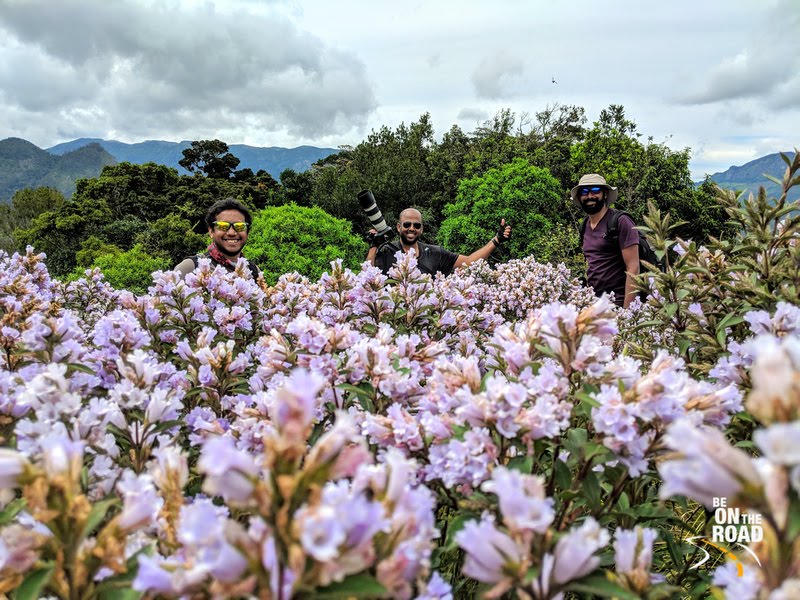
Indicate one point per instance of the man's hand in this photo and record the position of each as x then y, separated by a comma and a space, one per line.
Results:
503, 233
372, 238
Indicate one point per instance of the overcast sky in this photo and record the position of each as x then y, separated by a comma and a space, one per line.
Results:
719, 76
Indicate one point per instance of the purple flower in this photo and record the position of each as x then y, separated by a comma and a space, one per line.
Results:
780, 443
744, 587
574, 554
230, 472
522, 500
12, 465
141, 502
321, 532
294, 408
491, 554
633, 550
436, 589
707, 467
60, 455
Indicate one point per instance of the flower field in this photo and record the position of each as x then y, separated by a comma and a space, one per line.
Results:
493, 433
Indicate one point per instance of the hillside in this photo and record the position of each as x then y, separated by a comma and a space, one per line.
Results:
24, 165
273, 160
750, 176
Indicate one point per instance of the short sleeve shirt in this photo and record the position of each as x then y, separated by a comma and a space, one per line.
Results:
431, 260
606, 268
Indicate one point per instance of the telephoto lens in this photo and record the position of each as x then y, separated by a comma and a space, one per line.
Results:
370, 207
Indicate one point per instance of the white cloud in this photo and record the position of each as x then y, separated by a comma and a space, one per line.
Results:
496, 75
159, 69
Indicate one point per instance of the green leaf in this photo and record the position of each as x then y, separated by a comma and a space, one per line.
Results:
591, 489
33, 584
11, 510
164, 425
354, 586
523, 464
124, 593
599, 585
456, 525
587, 399
97, 514
563, 476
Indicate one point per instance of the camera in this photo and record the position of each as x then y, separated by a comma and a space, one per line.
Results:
370, 208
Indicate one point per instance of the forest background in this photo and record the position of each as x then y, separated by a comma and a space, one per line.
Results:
133, 220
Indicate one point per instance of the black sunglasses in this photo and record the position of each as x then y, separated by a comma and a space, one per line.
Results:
585, 191
410, 224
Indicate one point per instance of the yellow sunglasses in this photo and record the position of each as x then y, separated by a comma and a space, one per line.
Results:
225, 226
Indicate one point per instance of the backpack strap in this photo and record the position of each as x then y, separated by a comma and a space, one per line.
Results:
583, 231
612, 231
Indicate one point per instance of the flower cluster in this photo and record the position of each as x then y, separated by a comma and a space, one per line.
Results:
219, 437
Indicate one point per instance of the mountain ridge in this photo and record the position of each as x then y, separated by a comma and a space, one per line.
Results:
272, 159
749, 177
23, 165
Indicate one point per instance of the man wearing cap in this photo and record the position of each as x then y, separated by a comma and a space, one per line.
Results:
430, 259
612, 261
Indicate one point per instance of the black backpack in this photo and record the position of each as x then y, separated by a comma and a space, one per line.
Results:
253, 269
646, 252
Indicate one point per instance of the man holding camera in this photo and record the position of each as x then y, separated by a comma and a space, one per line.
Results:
430, 259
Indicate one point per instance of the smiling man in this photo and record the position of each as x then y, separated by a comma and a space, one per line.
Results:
228, 223
430, 259
609, 240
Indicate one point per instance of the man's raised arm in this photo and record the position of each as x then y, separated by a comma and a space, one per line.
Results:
503, 233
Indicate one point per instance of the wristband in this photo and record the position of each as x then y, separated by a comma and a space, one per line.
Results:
495, 242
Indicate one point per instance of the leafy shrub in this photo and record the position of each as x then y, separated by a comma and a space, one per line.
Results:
172, 236
92, 248
293, 238
131, 270
528, 197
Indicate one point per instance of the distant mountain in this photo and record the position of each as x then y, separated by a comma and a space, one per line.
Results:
24, 165
273, 160
750, 176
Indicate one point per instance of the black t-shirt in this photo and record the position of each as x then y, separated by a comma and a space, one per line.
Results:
431, 259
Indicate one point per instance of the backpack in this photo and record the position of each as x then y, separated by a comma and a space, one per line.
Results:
646, 252
253, 269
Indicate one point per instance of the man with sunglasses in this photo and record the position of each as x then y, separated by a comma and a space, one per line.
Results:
228, 223
430, 259
612, 252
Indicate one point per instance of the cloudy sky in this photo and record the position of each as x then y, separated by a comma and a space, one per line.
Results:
719, 76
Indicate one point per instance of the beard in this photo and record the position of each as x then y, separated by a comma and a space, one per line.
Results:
406, 241
592, 207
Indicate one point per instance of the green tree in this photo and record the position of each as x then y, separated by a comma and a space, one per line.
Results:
528, 197
211, 157
291, 238
173, 238
130, 190
391, 163
25, 205
610, 148
132, 270
59, 233
296, 187
92, 248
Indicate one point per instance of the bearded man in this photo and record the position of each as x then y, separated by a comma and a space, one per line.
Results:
610, 241
430, 259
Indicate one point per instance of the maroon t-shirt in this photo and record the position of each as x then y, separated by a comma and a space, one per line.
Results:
606, 269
